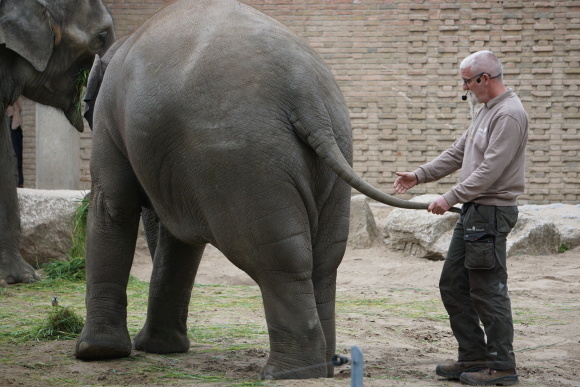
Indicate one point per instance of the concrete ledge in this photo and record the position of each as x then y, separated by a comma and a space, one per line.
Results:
46, 221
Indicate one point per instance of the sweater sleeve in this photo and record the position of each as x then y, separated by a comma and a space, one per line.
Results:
505, 139
445, 164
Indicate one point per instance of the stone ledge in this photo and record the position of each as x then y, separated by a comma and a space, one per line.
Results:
540, 230
46, 223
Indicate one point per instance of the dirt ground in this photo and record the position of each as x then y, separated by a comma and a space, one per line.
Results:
400, 349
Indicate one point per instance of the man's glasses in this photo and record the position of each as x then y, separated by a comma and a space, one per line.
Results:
466, 81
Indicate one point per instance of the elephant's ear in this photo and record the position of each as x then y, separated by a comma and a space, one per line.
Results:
25, 29
93, 86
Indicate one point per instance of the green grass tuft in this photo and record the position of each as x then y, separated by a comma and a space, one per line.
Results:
61, 323
73, 269
563, 248
79, 233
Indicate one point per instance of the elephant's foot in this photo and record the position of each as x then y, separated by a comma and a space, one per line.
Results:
104, 343
293, 370
161, 341
13, 269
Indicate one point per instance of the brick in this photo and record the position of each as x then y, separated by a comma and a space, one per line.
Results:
542, 48
514, 4
544, 26
512, 27
418, 17
448, 28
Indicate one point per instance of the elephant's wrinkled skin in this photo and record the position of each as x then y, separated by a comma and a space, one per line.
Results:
233, 131
44, 45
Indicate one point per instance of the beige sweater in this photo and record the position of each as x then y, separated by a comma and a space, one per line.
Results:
491, 155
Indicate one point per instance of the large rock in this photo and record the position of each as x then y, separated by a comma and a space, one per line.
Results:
363, 231
418, 232
540, 230
533, 236
565, 217
46, 221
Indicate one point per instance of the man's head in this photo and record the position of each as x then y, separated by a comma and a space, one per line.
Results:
482, 75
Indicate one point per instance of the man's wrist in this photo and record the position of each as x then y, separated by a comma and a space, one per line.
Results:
450, 198
419, 175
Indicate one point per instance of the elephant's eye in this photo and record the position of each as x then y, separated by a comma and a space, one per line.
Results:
102, 37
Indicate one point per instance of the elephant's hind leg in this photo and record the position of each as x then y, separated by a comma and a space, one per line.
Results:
328, 251
297, 345
174, 268
112, 228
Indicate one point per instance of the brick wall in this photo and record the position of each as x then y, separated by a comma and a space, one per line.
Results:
397, 65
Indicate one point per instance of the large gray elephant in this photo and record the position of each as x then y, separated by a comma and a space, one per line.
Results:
44, 48
232, 131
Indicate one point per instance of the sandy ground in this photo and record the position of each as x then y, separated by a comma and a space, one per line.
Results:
545, 292
401, 345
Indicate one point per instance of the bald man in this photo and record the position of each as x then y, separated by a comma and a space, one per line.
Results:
473, 283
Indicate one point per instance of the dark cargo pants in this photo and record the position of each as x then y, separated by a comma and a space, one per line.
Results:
473, 285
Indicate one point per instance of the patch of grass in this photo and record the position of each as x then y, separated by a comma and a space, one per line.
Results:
410, 307
73, 268
79, 233
25, 308
172, 372
173, 367
62, 323
227, 334
529, 316
563, 248
28, 305
226, 297
37, 366
573, 306
209, 302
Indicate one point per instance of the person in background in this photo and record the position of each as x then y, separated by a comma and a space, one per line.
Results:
473, 283
14, 114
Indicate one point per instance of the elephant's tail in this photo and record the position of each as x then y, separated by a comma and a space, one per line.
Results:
326, 147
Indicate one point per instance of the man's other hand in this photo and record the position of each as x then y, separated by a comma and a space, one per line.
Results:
405, 181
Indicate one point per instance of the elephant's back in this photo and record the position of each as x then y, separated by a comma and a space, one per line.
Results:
216, 38
216, 57
210, 67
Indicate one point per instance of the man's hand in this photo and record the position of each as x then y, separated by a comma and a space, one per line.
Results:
405, 181
439, 206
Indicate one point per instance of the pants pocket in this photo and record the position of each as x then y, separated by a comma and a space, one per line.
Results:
506, 218
479, 251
